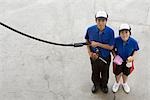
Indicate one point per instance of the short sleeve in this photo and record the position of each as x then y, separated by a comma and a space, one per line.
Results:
136, 47
87, 35
112, 39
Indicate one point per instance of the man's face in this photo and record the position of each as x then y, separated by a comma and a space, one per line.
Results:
101, 23
124, 34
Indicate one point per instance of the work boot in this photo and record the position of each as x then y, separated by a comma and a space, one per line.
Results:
104, 89
94, 89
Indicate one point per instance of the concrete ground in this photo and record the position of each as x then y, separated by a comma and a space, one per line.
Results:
31, 70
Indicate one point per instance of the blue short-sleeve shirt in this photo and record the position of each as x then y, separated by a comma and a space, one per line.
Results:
105, 37
125, 49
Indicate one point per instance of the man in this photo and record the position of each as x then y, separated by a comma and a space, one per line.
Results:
101, 39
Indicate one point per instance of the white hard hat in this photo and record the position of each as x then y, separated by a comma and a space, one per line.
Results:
102, 14
124, 26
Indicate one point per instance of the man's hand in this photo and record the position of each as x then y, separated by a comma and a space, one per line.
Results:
130, 59
94, 56
95, 44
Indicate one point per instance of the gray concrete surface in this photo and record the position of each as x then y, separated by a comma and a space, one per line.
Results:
31, 70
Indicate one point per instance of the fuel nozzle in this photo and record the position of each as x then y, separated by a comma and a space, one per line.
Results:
103, 60
97, 51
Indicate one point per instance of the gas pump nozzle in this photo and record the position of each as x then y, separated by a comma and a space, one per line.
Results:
97, 52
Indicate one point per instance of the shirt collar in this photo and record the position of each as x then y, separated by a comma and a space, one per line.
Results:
128, 41
104, 31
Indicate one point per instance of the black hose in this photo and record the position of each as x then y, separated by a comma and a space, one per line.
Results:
41, 40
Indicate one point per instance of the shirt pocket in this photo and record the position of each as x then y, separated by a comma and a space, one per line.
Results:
106, 40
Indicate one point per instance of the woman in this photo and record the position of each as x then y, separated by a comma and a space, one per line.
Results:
124, 52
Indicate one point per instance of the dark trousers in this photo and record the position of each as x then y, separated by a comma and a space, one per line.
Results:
100, 71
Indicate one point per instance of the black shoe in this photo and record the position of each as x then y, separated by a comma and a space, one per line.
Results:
94, 89
104, 89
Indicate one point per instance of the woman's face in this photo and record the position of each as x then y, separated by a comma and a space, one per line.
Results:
124, 34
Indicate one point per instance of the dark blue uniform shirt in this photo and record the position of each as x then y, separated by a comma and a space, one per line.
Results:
105, 37
125, 49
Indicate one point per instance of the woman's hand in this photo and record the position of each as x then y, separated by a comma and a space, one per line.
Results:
130, 59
